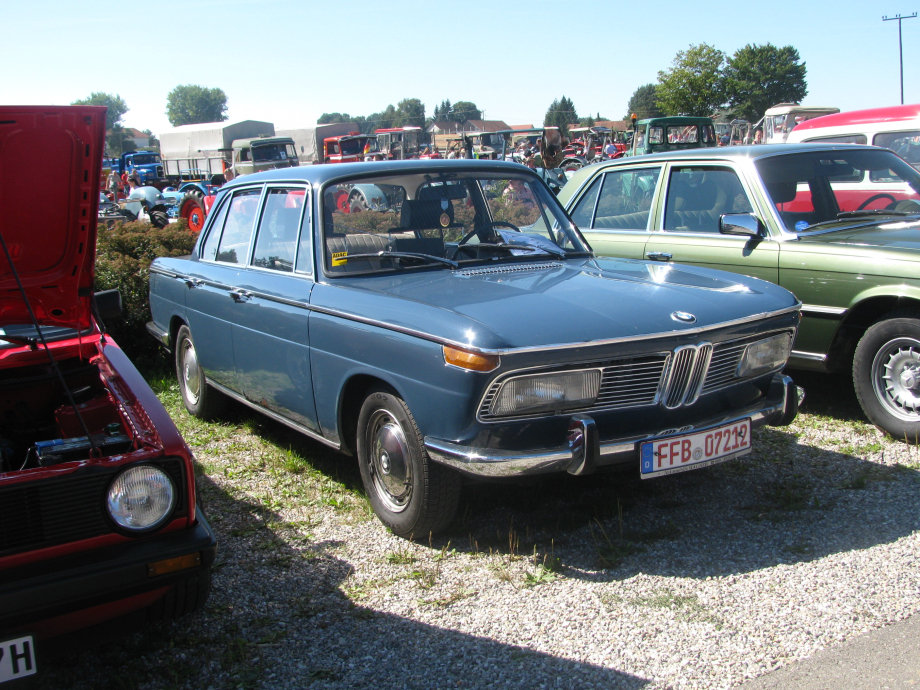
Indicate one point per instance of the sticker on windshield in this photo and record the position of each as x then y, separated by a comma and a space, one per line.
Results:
339, 258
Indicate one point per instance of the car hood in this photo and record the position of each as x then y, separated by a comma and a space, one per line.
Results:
556, 302
892, 233
49, 196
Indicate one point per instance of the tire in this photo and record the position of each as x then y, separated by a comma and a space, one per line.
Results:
192, 209
357, 204
886, 375
411, 495
200, 399
159, 219
126, 215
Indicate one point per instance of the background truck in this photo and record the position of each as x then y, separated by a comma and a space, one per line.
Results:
212, 148
339, 142
144, 167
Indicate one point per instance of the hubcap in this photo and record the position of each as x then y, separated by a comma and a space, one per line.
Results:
389, 461
191, 375
896, 378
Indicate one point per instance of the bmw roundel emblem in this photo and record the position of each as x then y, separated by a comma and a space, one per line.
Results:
683, 317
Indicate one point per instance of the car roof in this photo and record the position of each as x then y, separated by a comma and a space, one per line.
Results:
736, 152
321, 174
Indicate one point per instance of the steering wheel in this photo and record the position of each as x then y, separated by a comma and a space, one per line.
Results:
493, 224
875, 197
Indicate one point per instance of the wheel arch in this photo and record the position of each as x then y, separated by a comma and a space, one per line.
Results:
352, 397
865, 310
175, 323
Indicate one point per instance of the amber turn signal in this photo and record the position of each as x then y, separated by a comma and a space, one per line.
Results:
473, 361
171, 565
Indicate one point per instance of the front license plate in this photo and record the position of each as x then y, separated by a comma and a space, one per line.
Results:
682, 453
17, 658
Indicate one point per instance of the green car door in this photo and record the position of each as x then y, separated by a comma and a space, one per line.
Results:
687, 226
614, 210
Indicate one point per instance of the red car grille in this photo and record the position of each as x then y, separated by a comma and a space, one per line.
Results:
50, 512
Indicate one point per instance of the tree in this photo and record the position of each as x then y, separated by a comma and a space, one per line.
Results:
759, 77
442, 111
191, 104
561, 114
695, 84
115, 135
152, 141
643, 103
463, 111
410, 112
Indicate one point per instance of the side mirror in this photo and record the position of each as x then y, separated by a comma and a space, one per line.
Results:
108, 304
742, 224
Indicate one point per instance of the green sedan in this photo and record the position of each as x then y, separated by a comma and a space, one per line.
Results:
838, 225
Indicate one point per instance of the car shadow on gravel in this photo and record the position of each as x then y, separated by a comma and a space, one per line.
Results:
277, 617
787, 502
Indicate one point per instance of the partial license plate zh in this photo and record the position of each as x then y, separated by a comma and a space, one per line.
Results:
17, 658
682, 453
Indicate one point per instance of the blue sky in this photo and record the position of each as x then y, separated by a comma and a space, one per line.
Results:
288, 61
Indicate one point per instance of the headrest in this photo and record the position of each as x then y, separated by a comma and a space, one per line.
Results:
781, 192
420, 214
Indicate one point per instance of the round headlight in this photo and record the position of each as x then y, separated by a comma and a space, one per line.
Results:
141, 498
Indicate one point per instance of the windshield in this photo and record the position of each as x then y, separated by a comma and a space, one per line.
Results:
351, 147
146, 159
407, 222
273, 152
816, 187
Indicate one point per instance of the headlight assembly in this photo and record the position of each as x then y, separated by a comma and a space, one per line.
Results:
141, 498
765, 355
566, 390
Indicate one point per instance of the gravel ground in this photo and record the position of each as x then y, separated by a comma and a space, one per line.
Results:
699, 580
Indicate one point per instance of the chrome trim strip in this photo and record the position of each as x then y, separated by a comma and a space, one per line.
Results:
812, 356
553, 347
158, 333
817, 309
274, 415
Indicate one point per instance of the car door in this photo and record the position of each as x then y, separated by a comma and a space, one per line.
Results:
614, 211
211, 280
271, 339
695, 198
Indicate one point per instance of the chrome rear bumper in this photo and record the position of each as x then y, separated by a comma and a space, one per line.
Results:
583, 451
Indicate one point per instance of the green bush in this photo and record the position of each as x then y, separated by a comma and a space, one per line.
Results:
123, 256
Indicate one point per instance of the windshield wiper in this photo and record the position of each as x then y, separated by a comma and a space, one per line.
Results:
404, 255
524, 247
866, 213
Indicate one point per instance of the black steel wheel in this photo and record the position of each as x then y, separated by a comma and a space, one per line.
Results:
886, 375
201, 400
411, 495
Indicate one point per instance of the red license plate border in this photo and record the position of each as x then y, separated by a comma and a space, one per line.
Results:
646, 451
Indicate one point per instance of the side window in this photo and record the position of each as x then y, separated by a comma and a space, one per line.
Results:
209, 251
842, 139
699, 196
584, 209
626, 198
305, 247
655, 135
277, 236
234, 244
905, 144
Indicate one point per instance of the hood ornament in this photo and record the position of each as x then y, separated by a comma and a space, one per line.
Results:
683, 317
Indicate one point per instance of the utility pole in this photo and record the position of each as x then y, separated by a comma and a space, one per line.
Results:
900, 45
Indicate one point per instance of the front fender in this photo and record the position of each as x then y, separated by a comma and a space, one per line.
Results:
902, 290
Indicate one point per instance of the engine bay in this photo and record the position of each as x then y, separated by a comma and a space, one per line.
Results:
40, 428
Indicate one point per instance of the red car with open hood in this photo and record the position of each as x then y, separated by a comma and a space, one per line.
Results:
98, 519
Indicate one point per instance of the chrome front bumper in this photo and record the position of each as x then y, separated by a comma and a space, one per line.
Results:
583, 451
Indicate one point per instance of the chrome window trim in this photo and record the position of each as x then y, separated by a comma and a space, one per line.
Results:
690, 163
252, 230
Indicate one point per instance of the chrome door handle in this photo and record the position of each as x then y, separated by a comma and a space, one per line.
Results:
240, 295
658, 256
192, 282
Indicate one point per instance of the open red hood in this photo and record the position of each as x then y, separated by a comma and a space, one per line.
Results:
50, 163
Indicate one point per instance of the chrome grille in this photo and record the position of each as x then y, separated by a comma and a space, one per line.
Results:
725, 360
686, 375
631, 382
